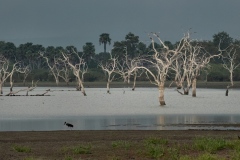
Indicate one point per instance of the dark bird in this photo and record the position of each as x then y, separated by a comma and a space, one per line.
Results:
68, 124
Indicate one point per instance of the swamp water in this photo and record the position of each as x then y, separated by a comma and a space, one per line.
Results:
123, 109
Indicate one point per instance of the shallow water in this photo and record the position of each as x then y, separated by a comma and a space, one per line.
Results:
143, 122
122, 109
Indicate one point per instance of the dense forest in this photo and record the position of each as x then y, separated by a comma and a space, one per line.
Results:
38, 60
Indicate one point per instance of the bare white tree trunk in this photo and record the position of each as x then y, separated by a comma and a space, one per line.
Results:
229, 63
57, 81
194, 87
134, 80
110, 68
78, 68
161, 94
1, 91
108, 87
186, 90
53, 66
80, 83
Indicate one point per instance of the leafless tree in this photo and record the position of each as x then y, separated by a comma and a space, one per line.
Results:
109, 68
53, 66
189, 64
64, 71
29, 89
127, 68
6, 71
159, 63
136, 73
26, 70
229, 63
78, 66
197, 59
180, 71
19, 69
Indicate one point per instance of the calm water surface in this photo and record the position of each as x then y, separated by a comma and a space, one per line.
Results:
123, 109
143, 122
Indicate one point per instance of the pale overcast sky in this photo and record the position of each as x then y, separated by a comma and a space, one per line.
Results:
75, 22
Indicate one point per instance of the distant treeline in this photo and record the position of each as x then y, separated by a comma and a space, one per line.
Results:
28, 54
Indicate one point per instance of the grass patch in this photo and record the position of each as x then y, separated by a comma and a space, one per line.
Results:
24, 149
208, 156
210, 145
174, 153
185, 157
155, 147
82, 149
122, 144
156, 141
155, 151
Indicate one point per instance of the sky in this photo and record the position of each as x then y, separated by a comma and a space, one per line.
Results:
75, 22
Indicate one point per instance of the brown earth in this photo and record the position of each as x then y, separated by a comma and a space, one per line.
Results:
104, 145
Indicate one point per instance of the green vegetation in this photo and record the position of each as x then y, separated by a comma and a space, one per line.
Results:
156, 141
82, 149
210, 145
154, 147
121, 144
199, 148
24, 149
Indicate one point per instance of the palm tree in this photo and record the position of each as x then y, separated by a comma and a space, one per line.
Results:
104, 39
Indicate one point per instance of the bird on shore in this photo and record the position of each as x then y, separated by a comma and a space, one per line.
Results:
68, 124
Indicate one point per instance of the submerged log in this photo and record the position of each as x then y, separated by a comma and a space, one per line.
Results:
179, 92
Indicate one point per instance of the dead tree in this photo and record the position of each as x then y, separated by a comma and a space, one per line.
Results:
14, 93
64, 71
109, 68
159, 63
136, 73
29, 89
6, 71
53, 66
78, 66
188, 65
17, 68
180, 71
230, 64
26, 71
197, 59
127, 68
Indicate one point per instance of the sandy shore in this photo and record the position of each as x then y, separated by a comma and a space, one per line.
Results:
100, 144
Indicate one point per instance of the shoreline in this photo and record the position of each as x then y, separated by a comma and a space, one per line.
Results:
60, 144
200, 84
